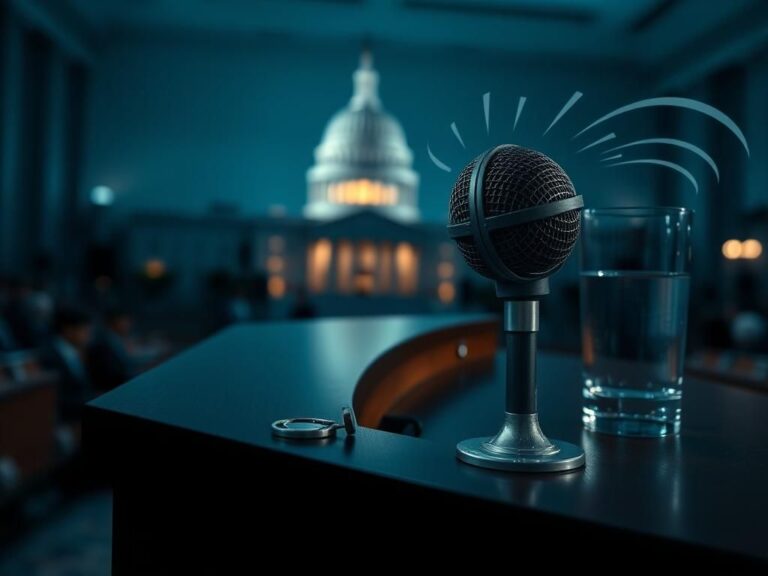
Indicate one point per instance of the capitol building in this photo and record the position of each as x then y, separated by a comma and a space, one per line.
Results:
363, 159
359, 248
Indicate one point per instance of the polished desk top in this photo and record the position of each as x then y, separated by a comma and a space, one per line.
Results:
709, 486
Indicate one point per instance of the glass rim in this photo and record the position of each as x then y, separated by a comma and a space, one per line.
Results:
635, 211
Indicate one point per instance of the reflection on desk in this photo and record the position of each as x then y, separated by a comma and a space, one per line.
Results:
189, 449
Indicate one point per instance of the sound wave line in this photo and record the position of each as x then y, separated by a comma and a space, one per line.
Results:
614, 157
671, 165
487, 111
568, 105
673, 142
520, 106
458, 136
599, 141
436, 161
676, 102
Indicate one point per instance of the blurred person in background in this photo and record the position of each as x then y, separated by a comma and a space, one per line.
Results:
109, 360
28, 313
65, 354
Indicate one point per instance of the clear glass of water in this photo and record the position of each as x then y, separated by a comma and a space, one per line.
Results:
635, 277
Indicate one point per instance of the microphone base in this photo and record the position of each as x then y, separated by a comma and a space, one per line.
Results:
520, 446
474, 451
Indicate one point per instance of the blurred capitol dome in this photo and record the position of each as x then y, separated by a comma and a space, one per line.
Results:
363, 160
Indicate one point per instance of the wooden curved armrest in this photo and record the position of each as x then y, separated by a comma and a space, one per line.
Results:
402, 369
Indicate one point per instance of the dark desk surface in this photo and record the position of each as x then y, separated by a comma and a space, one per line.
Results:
709, 486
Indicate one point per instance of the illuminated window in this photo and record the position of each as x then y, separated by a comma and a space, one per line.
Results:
364, 283
366, 256
344, 261
275, 264
363, 192
318, 264
732, 249
154, 268
445, 270
446, 292
407, 262
276, 286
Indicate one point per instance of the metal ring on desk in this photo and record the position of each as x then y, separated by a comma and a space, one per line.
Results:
304, 428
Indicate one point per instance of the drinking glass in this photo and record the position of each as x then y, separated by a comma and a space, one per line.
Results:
635, 279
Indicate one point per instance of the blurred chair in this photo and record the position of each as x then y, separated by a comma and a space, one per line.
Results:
28, 422
21, 365
27, 315
7, 341
731, 367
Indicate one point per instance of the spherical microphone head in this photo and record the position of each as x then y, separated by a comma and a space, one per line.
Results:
514, 214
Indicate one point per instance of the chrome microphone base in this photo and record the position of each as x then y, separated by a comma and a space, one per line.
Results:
520, 446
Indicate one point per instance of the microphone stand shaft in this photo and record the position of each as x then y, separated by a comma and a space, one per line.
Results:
521, 372
521, 322
520, 445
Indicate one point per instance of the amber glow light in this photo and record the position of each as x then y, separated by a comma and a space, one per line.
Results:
318, 264
446, 292
366, 256
363, 192
751, 249
407, 262
732, 249
276, 286
154, 268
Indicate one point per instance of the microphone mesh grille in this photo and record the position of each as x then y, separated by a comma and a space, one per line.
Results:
458, 212
517, 178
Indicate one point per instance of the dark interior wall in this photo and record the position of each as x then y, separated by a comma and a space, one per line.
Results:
72, 218
3, 64
41, 100
10, 96
756, 97
728, 203
35, 118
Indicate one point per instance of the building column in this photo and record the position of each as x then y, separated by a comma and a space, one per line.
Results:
10, 145
54, 170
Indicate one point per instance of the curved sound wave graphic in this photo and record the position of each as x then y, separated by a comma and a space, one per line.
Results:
666, 101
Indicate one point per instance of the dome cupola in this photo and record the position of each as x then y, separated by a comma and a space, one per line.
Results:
363, 160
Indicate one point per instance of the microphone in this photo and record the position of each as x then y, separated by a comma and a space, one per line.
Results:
515, 217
